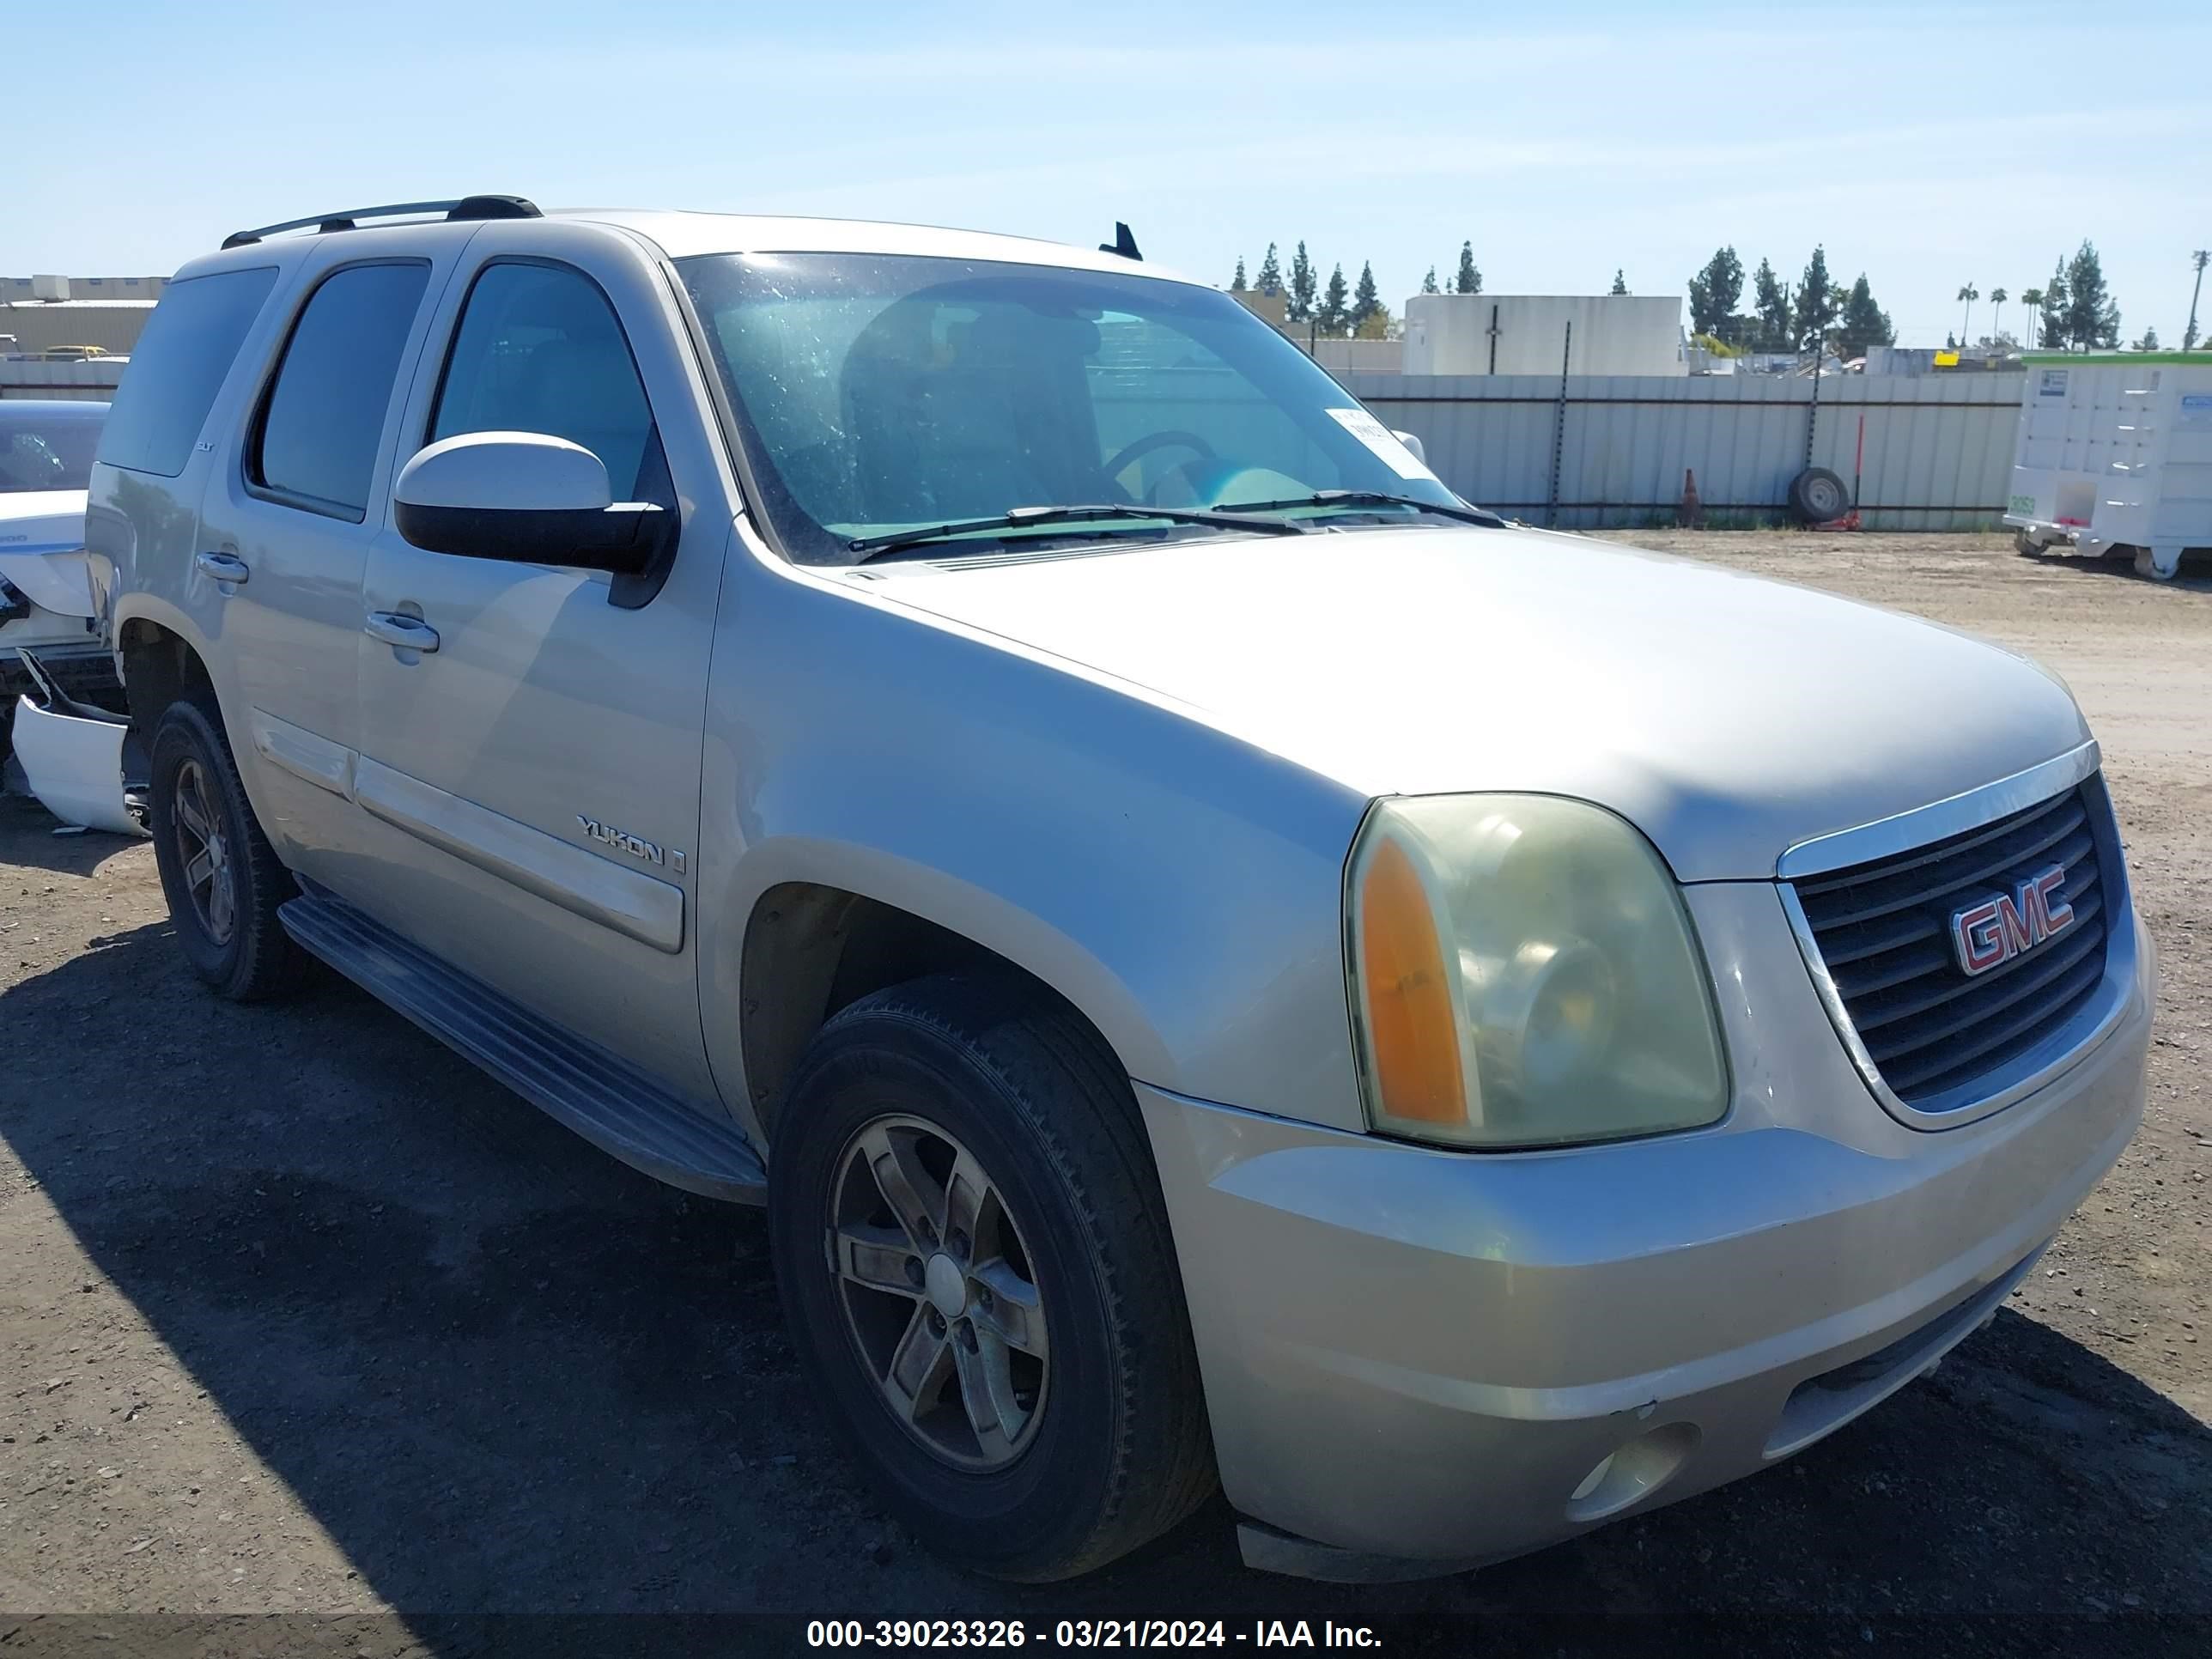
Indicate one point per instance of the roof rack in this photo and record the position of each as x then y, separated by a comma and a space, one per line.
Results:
462, 207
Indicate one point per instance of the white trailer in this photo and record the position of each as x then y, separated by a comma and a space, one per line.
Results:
2114, 455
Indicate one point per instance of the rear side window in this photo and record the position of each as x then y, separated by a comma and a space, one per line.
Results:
315, 444
177, 367
539, 349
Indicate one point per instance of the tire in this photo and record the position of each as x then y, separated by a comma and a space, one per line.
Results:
1817, 496
1097, 1441
231, 936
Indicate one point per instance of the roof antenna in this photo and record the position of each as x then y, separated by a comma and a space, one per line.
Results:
1123, 244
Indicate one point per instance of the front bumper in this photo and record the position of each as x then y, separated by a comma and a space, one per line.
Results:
1423, 1356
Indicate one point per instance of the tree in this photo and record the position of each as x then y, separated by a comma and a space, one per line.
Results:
1270, 273
1969, 292
1816, 304
2033, 299
1377, 326
1330, 313
1770, 302
1429, 282
2053, 320
1236, 282
1864, 324
1997, 297
1302, 287
1714, 292
2149, 341
2092, 319
1467, 279
1365, 301
1619, 282
1950, 341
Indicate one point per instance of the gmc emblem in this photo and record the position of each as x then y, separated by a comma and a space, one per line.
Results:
1992, 933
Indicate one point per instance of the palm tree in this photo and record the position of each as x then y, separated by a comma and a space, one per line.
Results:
2033, 299
1997, 297
1969, 293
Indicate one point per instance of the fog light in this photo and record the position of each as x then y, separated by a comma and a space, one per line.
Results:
1630, 1473
1590, 1480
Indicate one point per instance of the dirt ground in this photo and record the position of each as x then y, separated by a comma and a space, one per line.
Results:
300, 1314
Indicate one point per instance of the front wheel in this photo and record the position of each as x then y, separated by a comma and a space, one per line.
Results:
974, 1260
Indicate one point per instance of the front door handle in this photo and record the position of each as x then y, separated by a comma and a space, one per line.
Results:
401, 632
223, 567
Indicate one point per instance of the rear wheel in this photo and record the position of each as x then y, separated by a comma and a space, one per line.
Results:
221, 877
975, 1259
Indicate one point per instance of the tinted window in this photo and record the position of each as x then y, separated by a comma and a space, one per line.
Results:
539, 349
325, 411
46, 445
177, 367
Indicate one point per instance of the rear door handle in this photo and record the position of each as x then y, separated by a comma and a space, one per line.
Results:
402, 633
223, 567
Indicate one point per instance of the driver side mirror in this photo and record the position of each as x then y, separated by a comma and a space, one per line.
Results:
525, 497
1414, 445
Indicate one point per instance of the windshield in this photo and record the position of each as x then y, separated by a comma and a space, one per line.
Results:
46, 448
878, 394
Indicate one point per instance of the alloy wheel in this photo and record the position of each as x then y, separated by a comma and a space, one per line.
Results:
939, 1296
203, 854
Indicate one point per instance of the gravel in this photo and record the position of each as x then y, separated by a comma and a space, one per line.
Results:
300, 1314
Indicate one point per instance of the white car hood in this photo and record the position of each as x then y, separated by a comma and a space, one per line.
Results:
42, 549
1727, 716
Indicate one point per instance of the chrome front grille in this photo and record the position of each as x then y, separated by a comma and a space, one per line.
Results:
1936, 1038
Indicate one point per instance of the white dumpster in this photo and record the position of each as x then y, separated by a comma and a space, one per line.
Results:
2114, 454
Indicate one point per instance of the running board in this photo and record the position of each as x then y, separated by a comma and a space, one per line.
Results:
602, 1098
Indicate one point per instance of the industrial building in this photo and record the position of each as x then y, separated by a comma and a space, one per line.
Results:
45, 314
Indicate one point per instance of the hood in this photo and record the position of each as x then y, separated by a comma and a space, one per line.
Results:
1727, 716
42, 549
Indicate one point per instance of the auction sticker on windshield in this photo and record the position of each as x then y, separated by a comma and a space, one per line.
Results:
1380, 439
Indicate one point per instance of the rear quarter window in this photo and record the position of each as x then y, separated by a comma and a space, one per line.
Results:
177, 367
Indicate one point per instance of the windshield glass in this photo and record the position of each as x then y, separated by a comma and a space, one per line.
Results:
46, 448
876, 393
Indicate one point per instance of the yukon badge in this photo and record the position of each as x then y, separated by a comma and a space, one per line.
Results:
636, 846
2003, 926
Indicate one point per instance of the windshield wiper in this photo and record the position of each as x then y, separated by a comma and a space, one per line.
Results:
1482, 516
1020, 517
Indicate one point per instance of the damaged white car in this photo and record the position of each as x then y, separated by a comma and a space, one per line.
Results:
56, 669
46, 598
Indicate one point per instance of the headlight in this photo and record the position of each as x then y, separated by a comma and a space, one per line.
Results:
1522, 974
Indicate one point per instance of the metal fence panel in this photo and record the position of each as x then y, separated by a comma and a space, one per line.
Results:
1936, 454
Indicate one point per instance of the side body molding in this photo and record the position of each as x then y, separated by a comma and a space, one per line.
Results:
631, 902
317, 760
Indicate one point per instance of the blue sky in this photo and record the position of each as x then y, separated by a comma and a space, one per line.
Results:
1928, 145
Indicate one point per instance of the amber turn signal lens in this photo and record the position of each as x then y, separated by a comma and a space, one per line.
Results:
1413, 1034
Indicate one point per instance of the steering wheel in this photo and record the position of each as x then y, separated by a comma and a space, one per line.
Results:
1152, 441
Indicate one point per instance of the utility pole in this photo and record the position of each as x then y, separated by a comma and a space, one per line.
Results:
2189, 335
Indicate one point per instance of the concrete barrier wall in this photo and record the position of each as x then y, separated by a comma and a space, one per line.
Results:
94, 380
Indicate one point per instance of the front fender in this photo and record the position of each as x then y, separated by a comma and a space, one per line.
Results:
1179, 886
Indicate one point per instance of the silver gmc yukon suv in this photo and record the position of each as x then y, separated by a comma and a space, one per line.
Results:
1223, 962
